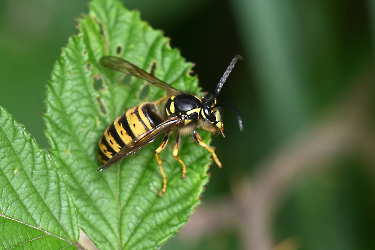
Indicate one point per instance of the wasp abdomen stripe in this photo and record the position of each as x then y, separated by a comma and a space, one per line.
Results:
113, 138
152, 114
142, 119
104, 147
135, 123
123, 121
102, 157
121, 132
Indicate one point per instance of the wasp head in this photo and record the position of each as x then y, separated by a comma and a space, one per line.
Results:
210, 111
211, 114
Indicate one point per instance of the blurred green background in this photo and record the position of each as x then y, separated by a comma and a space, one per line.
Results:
301, 174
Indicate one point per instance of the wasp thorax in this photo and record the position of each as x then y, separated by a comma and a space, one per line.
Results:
184, 105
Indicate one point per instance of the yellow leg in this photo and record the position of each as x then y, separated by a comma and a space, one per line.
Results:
198, 139
178, 158
161, 100
159, 161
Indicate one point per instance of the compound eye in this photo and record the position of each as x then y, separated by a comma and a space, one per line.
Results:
210, 116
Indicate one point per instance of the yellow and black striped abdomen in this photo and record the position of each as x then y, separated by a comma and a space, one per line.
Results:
128, 127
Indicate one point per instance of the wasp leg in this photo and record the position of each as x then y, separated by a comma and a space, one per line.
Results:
161, 100
178, 158
198, 139
159, 161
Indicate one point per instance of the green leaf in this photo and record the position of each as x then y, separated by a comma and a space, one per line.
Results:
35, 208
119, 208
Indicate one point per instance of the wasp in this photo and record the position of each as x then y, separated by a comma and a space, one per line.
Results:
182, 113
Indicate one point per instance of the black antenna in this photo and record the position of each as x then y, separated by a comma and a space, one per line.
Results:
239, 118
226, 74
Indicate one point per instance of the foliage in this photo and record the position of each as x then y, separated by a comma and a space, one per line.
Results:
118, 208
35, 207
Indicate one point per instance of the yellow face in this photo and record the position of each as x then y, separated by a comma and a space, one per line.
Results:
219, 124
213, 118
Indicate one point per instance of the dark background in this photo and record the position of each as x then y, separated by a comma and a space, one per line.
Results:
301, 174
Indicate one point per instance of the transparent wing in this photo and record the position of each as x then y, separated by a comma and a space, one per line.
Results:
119, 64
141, 141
